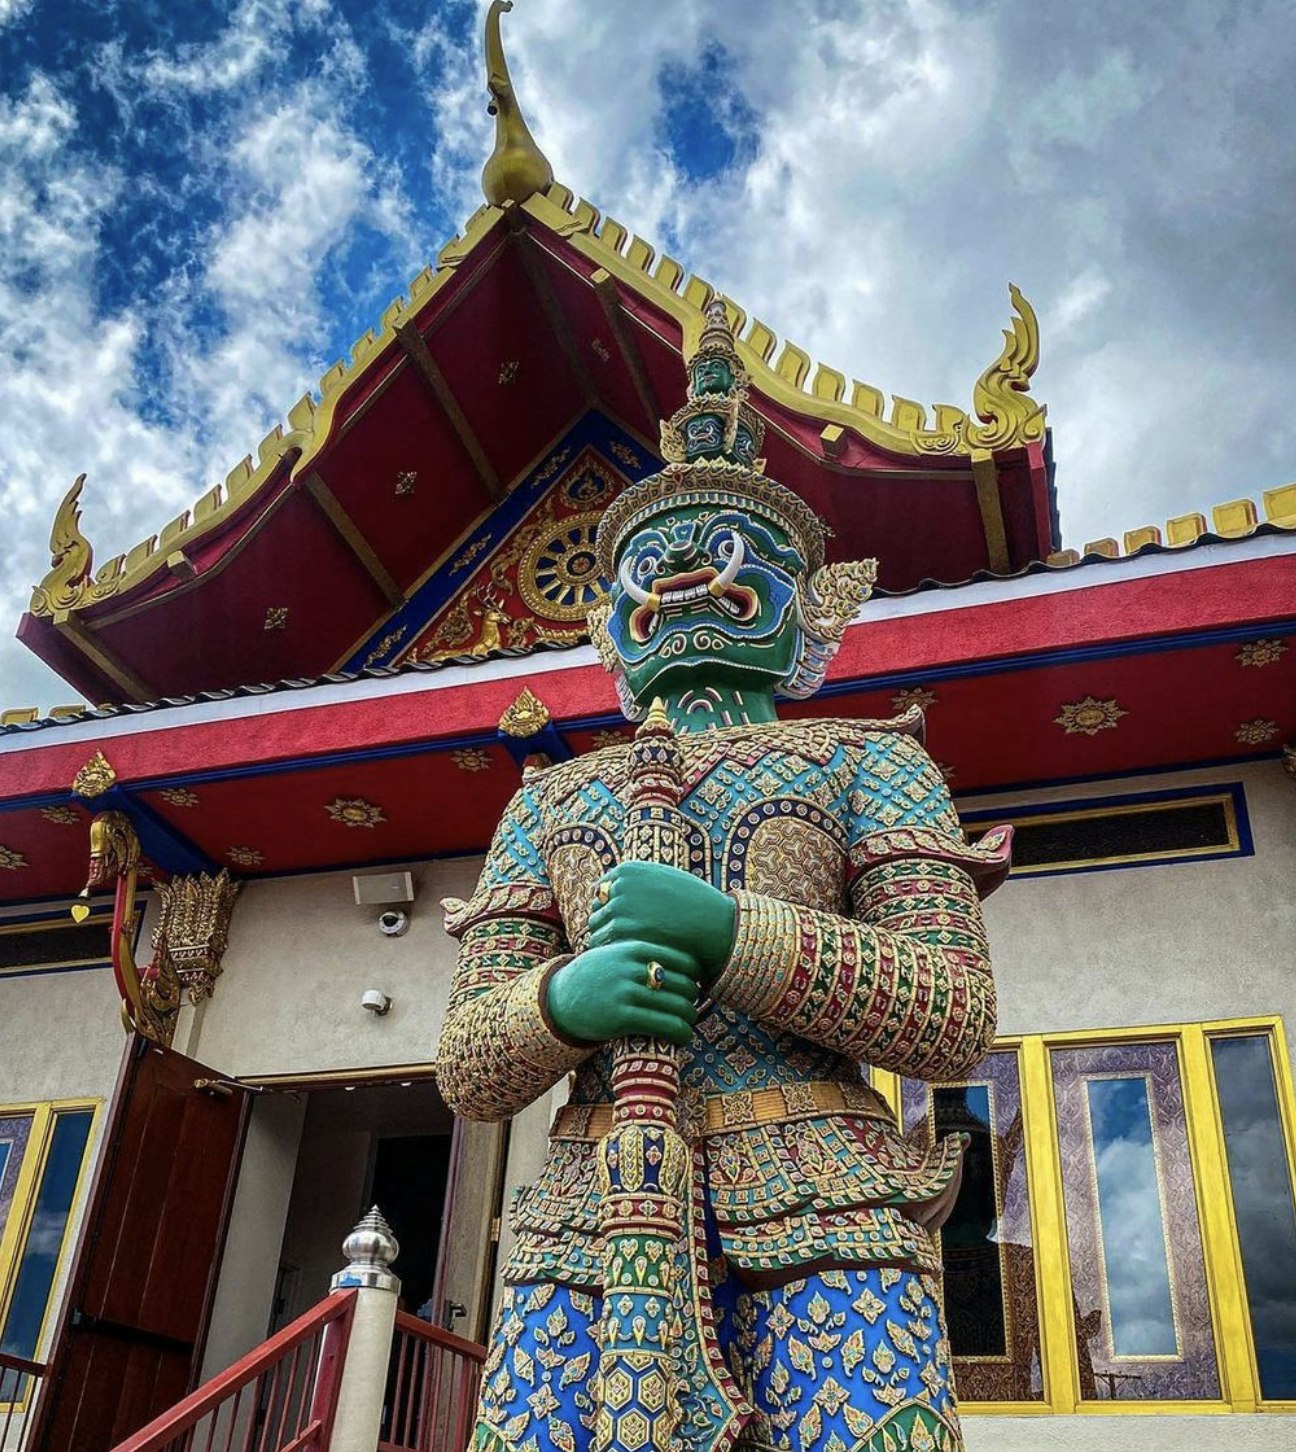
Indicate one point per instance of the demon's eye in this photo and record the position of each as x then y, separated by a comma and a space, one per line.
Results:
724, 547
647, 566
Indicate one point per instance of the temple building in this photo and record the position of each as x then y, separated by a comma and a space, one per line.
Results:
310, 696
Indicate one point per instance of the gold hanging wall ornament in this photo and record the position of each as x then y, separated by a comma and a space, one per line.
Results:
192, 931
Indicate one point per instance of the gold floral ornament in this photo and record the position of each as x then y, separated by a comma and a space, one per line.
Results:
471, 758
1257, 732
405, 481
525, 717
509, 371
276, 617
600, 739
62, 816
95, 777
12, 860
1089, 717
624, 454
355, 812
1260, 652
245, 856
179, 797
915, 696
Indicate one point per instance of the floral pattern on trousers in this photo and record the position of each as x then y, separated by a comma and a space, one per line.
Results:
843, 1361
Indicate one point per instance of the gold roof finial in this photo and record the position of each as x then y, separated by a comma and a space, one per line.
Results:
517, 168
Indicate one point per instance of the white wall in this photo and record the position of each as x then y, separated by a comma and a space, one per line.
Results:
300, 955
1145, 945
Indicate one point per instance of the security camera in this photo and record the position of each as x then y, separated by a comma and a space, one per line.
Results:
375, 1002
394, 923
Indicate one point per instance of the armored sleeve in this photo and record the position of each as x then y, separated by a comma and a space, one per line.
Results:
499, 1050
905, 983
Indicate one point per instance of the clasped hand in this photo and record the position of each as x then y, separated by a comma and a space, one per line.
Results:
653, 914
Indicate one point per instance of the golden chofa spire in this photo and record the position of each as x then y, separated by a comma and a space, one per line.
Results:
517, 168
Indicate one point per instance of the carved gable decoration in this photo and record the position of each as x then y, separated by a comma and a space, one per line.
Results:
535, 585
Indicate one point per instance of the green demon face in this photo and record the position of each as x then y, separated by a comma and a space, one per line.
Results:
704, 596
711, 374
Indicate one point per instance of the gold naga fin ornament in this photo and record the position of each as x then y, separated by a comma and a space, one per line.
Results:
71, 558
517, 168
95, 777
1001, 398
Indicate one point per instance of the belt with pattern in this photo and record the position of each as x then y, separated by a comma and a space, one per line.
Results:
738, 1109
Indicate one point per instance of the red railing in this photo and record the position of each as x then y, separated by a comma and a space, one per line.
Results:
432, 1389
278, 1398
19, 1379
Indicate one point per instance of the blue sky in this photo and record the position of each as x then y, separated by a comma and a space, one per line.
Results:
202, 205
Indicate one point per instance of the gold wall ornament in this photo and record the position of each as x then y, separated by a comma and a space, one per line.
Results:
918, 696
601, 350
1257, 732
62, 816
509, 370
276, 617
469, 553
1260, 652
245, 856
1289, 761
471, 758
517, 167
355, 812
526, 716
405, 481
1089, 717
192, 930
179, 797
12, 860
388, 643
68, 584
95, 777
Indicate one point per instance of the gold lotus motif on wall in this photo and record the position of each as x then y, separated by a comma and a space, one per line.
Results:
1089, 717
355, 812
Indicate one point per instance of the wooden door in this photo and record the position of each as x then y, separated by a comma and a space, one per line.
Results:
130, 1339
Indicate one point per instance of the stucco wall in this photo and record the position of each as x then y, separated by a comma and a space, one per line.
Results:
300, 955
1143, 945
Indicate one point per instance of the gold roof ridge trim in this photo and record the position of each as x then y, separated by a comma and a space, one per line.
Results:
309, 426
1234, 519
1009, 416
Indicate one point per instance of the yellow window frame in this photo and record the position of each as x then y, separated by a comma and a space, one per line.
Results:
31, 1172
1221, 1247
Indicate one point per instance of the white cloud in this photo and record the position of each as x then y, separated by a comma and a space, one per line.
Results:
11, 10
912, 157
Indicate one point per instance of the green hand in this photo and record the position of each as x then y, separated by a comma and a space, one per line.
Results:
652, 903
606, 994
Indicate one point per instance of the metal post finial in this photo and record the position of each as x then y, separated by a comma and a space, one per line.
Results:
370, 1250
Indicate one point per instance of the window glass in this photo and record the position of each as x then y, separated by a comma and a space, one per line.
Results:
1141, 1303
1262, 1203
991, 1302
40, 1252
1131, 1218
